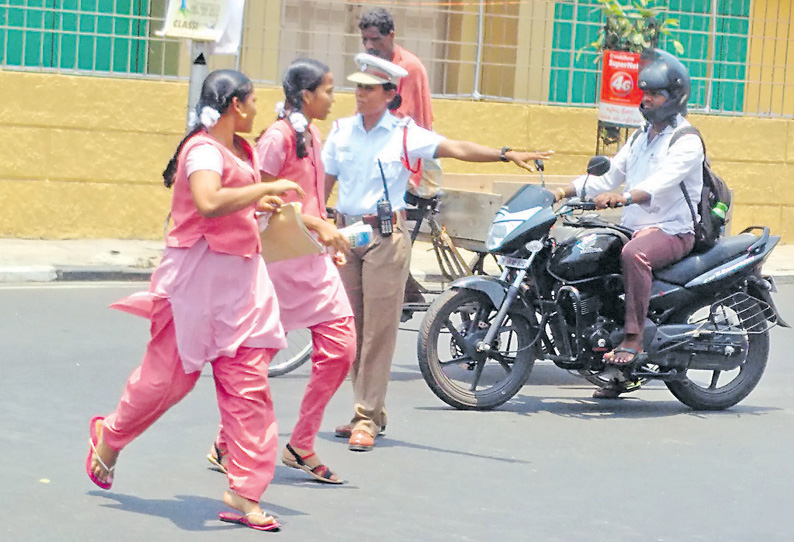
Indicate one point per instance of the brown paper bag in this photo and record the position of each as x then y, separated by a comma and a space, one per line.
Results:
286, 236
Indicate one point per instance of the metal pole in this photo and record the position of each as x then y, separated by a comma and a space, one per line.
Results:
478, 66
199, 56
712, 55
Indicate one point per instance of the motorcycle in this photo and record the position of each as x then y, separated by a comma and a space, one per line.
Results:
561, 299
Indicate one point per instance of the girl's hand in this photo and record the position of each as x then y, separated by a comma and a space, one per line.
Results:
281, 186
523, 158
329, 236
269, 204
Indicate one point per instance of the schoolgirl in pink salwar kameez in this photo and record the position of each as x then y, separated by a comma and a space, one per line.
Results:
309, 289
209, 301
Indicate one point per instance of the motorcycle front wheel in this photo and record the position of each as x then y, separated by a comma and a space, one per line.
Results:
456, 321
297, 352
718, 390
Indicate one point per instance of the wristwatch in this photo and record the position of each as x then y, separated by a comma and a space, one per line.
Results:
627, 195
502, 156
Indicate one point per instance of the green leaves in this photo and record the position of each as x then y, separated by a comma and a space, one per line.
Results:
632, 25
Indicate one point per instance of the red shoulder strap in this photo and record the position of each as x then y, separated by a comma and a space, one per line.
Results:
404, 158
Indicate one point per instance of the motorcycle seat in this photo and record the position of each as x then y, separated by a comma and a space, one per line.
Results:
690, 267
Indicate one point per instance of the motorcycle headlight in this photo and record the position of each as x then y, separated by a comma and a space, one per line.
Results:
504, 224
498, 232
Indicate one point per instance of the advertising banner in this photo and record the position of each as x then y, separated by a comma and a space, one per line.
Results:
620, 94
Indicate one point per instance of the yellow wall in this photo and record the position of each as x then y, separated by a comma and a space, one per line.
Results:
81, 157
770, 63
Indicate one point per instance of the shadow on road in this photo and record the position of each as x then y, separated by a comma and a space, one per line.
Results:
396, 443
628, 407
187, 512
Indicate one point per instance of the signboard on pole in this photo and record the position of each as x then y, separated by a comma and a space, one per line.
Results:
200, 20
620, 93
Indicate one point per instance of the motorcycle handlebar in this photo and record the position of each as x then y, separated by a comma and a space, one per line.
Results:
573, 204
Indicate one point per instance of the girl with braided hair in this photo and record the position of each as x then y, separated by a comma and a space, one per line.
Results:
209, 301
309, 289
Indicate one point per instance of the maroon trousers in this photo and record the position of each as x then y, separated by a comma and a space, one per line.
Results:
648, 250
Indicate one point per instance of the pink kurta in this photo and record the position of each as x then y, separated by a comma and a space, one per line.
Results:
217, 284
309, 289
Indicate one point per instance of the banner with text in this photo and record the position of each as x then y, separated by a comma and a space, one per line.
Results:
620, 94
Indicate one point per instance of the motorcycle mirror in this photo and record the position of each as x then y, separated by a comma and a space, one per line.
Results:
539, 166
598, 165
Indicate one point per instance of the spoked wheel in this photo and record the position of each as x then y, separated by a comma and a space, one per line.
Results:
458, 374
717, 390
297, 352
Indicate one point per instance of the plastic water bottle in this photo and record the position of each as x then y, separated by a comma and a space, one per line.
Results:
359, 234
720, 210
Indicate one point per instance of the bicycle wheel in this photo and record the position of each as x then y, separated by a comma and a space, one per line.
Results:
298, 350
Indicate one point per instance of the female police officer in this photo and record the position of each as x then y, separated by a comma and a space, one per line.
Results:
371, 156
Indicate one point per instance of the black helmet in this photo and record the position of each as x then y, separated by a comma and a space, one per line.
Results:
659, 70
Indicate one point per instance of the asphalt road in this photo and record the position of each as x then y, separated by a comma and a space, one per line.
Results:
551, 465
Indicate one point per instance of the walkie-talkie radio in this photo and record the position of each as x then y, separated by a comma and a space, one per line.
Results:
385, 217
385, 222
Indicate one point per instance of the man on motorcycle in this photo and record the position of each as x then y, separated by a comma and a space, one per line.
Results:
655, 209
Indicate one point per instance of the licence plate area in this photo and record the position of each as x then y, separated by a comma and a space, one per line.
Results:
514, 263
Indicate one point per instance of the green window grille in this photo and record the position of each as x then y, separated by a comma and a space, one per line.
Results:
715, 51
92, 35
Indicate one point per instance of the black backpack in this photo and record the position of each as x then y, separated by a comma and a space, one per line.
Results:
712, 218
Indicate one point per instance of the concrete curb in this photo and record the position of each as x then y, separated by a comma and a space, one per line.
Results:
28, 273
88, 273
105, 273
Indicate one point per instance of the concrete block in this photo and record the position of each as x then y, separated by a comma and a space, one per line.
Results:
757, 215
24, 152
758, 183
100, 155
566, 130
73, 210
744, 139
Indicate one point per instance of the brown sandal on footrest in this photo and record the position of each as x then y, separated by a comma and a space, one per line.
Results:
321, 473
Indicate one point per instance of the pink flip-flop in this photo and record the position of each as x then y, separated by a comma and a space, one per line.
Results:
93, 441
240, 519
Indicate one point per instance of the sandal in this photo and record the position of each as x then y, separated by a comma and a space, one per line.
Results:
216, 459
612, 360
242, 519
92, 453
321, 473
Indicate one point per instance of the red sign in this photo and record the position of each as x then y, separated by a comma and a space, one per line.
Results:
620, 94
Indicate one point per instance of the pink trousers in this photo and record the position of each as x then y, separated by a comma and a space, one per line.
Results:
333, 352
243, 400
648, 250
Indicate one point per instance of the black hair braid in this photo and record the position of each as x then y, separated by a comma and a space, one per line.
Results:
169, 173
294, 98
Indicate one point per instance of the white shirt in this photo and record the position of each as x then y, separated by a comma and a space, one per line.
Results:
204, 156
351, 155
656, 168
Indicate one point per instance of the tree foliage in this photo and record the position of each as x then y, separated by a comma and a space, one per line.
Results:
633, 26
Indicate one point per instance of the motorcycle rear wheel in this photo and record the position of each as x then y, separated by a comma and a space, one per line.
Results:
458, 316
712, 390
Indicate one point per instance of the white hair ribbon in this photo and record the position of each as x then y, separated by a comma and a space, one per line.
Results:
298, 121
281, 111
209, 116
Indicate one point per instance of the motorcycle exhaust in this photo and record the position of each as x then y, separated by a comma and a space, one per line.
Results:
685, 346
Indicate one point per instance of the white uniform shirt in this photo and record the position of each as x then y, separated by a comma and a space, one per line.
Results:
351, 155
655, 168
